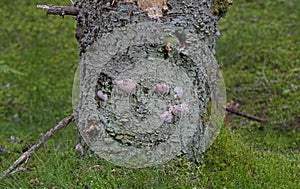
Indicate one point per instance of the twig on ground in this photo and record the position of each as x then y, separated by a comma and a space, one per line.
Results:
60, 10
26, 155
248, 116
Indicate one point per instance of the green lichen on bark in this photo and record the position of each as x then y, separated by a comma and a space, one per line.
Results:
120, 42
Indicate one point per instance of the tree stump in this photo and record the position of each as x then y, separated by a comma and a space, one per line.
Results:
150, 87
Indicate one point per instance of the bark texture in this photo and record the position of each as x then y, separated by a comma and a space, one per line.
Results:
99, 17
149, 81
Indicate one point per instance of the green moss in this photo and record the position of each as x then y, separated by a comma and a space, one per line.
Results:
259, 51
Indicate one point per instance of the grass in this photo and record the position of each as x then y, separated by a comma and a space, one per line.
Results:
260, 53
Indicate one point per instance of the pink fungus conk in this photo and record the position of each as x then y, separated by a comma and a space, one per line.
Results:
161, 88
126, 85
180, 109
167, 117
102, 95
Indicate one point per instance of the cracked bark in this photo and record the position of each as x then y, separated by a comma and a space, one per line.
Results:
98, 19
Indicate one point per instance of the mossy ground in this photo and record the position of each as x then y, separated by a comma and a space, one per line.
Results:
260, 52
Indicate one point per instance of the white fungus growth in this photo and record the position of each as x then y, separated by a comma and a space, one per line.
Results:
180, 109
161, 88
167, 117
102, 95
126, 85
178, 92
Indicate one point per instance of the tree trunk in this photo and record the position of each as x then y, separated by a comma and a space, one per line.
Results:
150, 86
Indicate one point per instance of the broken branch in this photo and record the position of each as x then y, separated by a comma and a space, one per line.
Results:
60, 10
26, 155
248, 116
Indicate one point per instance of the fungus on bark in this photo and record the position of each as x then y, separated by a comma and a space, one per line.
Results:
150, 86
159, 45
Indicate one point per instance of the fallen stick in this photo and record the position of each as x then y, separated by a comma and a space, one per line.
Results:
60, 10
64, 122
26, 155
248, 116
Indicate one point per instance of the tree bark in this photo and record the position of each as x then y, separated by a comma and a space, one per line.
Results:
149, 80
96, 18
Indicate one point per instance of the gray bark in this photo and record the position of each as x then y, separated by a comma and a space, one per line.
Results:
99, 17
149, 88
